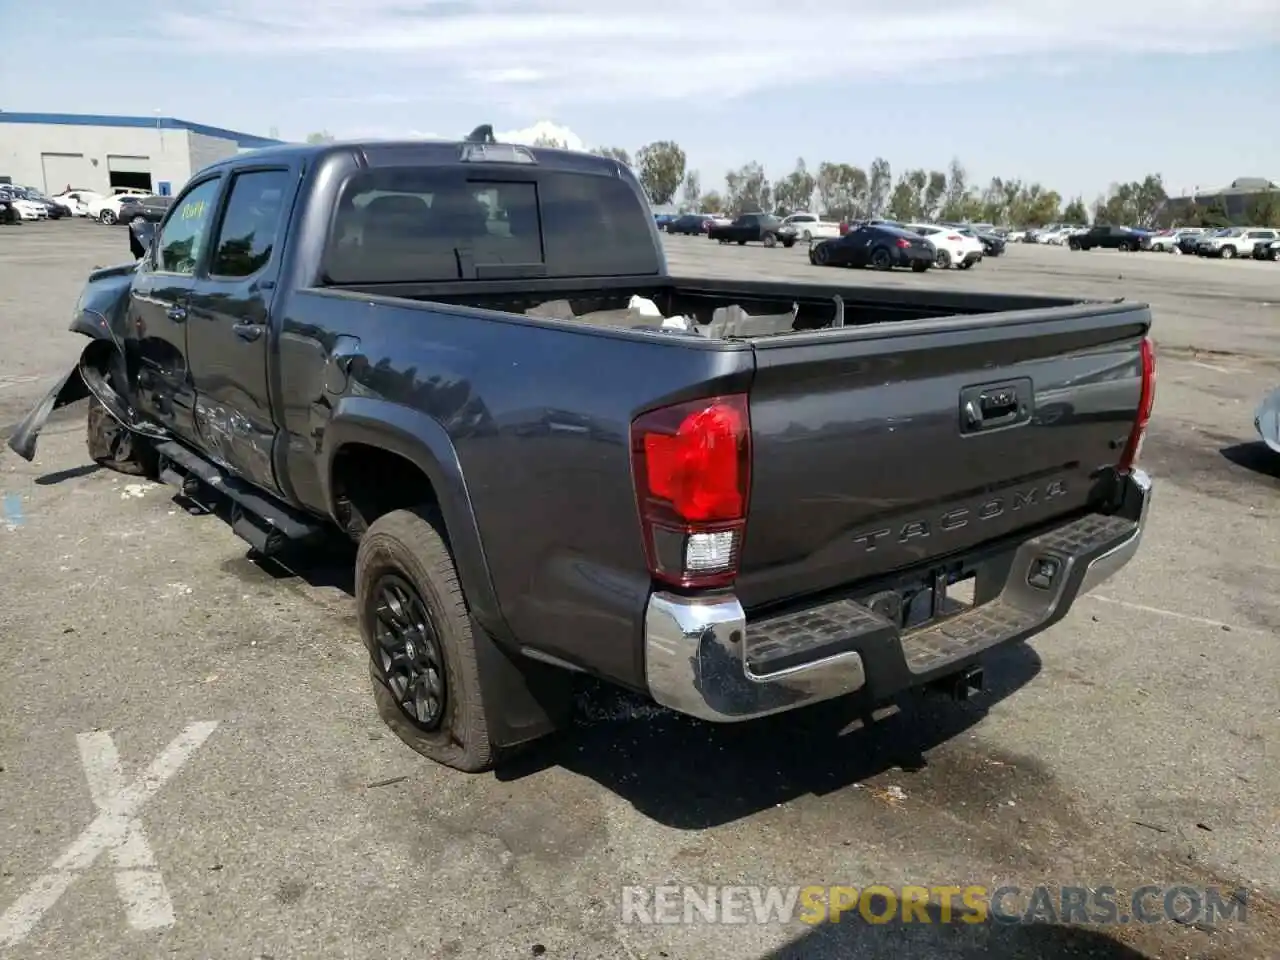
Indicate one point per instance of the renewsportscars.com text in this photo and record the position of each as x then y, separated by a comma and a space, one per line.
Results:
972, 904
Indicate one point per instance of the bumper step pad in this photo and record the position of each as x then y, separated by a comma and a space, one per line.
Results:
1020, 607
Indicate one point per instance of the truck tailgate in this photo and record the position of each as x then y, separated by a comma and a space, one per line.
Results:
881, 448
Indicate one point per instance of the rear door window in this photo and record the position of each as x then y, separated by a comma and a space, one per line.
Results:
423, 224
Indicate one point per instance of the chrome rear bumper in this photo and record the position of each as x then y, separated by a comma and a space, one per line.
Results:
703, 659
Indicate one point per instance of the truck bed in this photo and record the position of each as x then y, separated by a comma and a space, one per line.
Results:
863, 465
777, 308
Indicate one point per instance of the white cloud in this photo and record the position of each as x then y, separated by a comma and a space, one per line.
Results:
560, 52
543, 129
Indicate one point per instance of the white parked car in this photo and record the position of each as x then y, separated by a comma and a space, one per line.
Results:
77, 201
1236, 242
1055, 235
810, 227
24, 208
107, 209
953, 248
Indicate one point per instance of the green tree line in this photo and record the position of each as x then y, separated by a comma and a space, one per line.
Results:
847, 191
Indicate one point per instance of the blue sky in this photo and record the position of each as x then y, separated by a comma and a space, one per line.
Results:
1076, 94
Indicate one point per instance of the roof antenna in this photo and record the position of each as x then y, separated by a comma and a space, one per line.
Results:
482, 134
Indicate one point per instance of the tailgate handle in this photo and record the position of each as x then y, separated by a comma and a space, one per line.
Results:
994, 405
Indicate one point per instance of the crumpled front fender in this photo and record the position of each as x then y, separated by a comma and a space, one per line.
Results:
70, 389
91, 376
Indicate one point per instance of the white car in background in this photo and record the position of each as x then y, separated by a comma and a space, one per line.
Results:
809, 227
1056, 235
107, 209
24, 208
953, 248
76, 200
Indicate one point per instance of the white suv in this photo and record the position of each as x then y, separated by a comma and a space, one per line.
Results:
809, 226
1236, 242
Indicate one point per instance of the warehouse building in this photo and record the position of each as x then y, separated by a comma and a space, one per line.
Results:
53, 151
1240, 199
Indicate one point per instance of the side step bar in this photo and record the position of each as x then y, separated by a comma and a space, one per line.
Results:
264, 523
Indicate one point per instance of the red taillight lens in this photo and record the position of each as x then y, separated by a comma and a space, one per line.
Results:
903, 242
844, 228
955, 238
692, 465
1146, 402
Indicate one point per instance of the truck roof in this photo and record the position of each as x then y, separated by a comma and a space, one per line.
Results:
421, 151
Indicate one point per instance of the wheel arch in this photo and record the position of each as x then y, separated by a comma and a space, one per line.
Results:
375, 429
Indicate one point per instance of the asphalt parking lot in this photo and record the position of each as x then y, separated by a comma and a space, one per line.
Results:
212, 714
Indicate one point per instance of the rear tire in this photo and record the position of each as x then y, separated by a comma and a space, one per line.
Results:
107, 217
919, 266
1228, 253
404, 551
769, 240
117, 448
943, 260
880, 259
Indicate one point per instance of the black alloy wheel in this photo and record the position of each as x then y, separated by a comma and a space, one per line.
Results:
408, 651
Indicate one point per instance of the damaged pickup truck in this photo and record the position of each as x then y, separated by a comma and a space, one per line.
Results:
736, 498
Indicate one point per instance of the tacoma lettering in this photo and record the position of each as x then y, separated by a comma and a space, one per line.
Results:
958, 517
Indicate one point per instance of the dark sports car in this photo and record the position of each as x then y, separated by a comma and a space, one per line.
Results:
876, 245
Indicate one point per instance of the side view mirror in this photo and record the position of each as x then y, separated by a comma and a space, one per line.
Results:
141, 235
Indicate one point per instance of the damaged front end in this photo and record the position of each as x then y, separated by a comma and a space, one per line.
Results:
99, 316
70, 389
90, 377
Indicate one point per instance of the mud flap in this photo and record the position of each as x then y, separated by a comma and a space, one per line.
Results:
70, 389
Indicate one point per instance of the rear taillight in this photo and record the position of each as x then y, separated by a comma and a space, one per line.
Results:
692, 466
903, 242
1146, 401
844, 228
955, 238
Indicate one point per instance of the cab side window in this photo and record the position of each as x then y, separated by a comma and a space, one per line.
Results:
187, 229
251, 223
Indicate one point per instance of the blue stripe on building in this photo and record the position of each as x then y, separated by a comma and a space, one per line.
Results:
247, 140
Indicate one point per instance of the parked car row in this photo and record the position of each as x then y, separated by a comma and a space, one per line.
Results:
1226, 243
125, 205
804, 226
27, 203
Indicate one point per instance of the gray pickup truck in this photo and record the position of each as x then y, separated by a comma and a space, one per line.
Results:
736, 498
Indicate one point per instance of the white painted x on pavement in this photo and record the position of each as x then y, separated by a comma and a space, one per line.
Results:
115, 831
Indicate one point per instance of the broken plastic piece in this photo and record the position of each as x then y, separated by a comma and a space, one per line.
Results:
644, 307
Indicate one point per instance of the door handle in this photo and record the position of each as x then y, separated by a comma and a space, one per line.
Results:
248, 331
176, 313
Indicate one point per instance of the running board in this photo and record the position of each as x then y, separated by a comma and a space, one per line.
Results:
261, 521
